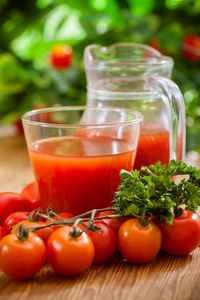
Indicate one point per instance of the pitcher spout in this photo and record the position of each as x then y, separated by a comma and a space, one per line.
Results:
123, 61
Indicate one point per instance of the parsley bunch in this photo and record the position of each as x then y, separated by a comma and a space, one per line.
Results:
153, 192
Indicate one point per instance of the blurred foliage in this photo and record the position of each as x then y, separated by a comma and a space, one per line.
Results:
29, 29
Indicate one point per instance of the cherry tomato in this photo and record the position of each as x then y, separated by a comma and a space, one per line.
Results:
2, 232
12, 202
104, 240
30, 192
183, 236
19, 127
139, 244
114, 223
191, 47
65, 216
14, 219
43, 233
68, 255
21, 260
61, 57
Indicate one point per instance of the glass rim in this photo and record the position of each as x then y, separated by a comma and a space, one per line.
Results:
138, 117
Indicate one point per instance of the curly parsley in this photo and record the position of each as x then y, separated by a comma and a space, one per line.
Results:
152, 192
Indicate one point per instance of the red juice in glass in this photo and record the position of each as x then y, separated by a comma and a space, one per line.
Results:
76, 174
77, 153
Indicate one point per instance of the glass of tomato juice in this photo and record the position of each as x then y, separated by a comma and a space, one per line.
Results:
77, 153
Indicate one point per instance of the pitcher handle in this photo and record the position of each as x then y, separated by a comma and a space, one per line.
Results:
175, 101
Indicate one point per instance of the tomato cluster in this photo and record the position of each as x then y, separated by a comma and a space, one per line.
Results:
71, 249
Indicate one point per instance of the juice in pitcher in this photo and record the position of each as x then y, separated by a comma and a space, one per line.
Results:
155, 146
151, 148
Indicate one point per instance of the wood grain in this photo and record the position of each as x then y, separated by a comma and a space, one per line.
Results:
15, 169
164, 278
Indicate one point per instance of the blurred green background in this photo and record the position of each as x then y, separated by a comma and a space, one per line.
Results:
29, 30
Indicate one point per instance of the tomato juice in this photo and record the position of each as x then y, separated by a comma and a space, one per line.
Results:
153, 147
76, 174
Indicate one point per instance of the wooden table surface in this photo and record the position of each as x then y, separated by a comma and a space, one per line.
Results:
164, 278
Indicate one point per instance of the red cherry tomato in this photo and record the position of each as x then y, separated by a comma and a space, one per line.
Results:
12, 202
30, 192
183, 236
21, 260
114, 223
2, 232
61, 57
139, 244
64, 215
14, 219
43, 233
191, 48
104, 240
68, 255
19, 127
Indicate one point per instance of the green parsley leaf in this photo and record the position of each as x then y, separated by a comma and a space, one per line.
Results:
153, 192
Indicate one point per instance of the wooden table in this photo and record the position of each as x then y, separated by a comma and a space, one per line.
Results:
164, 278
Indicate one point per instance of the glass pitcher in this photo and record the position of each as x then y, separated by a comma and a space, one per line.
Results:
136, 76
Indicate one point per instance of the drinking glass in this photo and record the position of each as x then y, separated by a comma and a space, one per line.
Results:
77, 154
